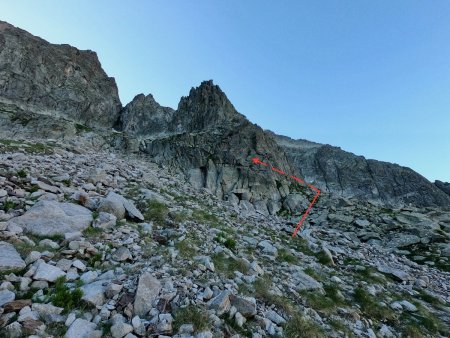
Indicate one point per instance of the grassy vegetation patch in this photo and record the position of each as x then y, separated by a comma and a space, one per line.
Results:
285, 256
156, 211
226, 240
227, 265
371, 307
185, 249
191, 315
262, 288
300, 327
203, 216
62, 296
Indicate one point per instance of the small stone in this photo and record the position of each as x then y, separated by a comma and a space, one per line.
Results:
267, 247
6, 296
16, 305
275, 317
239, 319
89, 277
408, 306
221, 303
93, 293
120, 330
70, 319
122, 254
246, 306
186, 329
396, 306
79, 265
10, 258
49, 243
207, 293
32, 257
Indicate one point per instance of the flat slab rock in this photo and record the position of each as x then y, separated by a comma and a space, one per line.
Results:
49, 218
147, 292
48, 272
10, 258
80, 328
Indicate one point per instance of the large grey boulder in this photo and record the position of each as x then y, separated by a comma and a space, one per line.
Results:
147, 291
10, 258
49, 218
119, 206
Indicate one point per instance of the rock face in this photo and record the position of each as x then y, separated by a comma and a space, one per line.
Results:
212, 144
57, 80
47, 218
334, 170
50, 90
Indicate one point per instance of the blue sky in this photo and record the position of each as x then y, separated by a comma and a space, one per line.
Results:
371, 77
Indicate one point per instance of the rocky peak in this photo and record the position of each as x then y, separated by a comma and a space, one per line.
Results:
144, 116
444, 186
57, 80
205, 107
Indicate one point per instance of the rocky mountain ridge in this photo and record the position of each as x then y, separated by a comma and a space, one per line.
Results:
205, 137
101, 236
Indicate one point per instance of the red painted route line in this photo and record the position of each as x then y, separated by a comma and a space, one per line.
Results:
256, 160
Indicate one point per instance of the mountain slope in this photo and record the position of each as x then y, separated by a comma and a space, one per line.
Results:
58, 91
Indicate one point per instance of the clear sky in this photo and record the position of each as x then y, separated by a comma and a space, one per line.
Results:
372, 77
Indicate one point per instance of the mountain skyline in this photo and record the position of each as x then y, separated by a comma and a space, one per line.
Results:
381, 96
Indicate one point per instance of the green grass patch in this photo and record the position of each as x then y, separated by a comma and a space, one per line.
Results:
22, 173
203, 216
326, 303
156, 211
185, 249
62, 296
285, 256
191, 315
9, 205
313, 273
323, 258
300, 244
92, 232
371, 307
300, 327
227, 265
226, 240
261, 291
81, 128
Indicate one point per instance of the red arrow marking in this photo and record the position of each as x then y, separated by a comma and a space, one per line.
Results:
298, 180
306, 213
258, 161
278, 171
